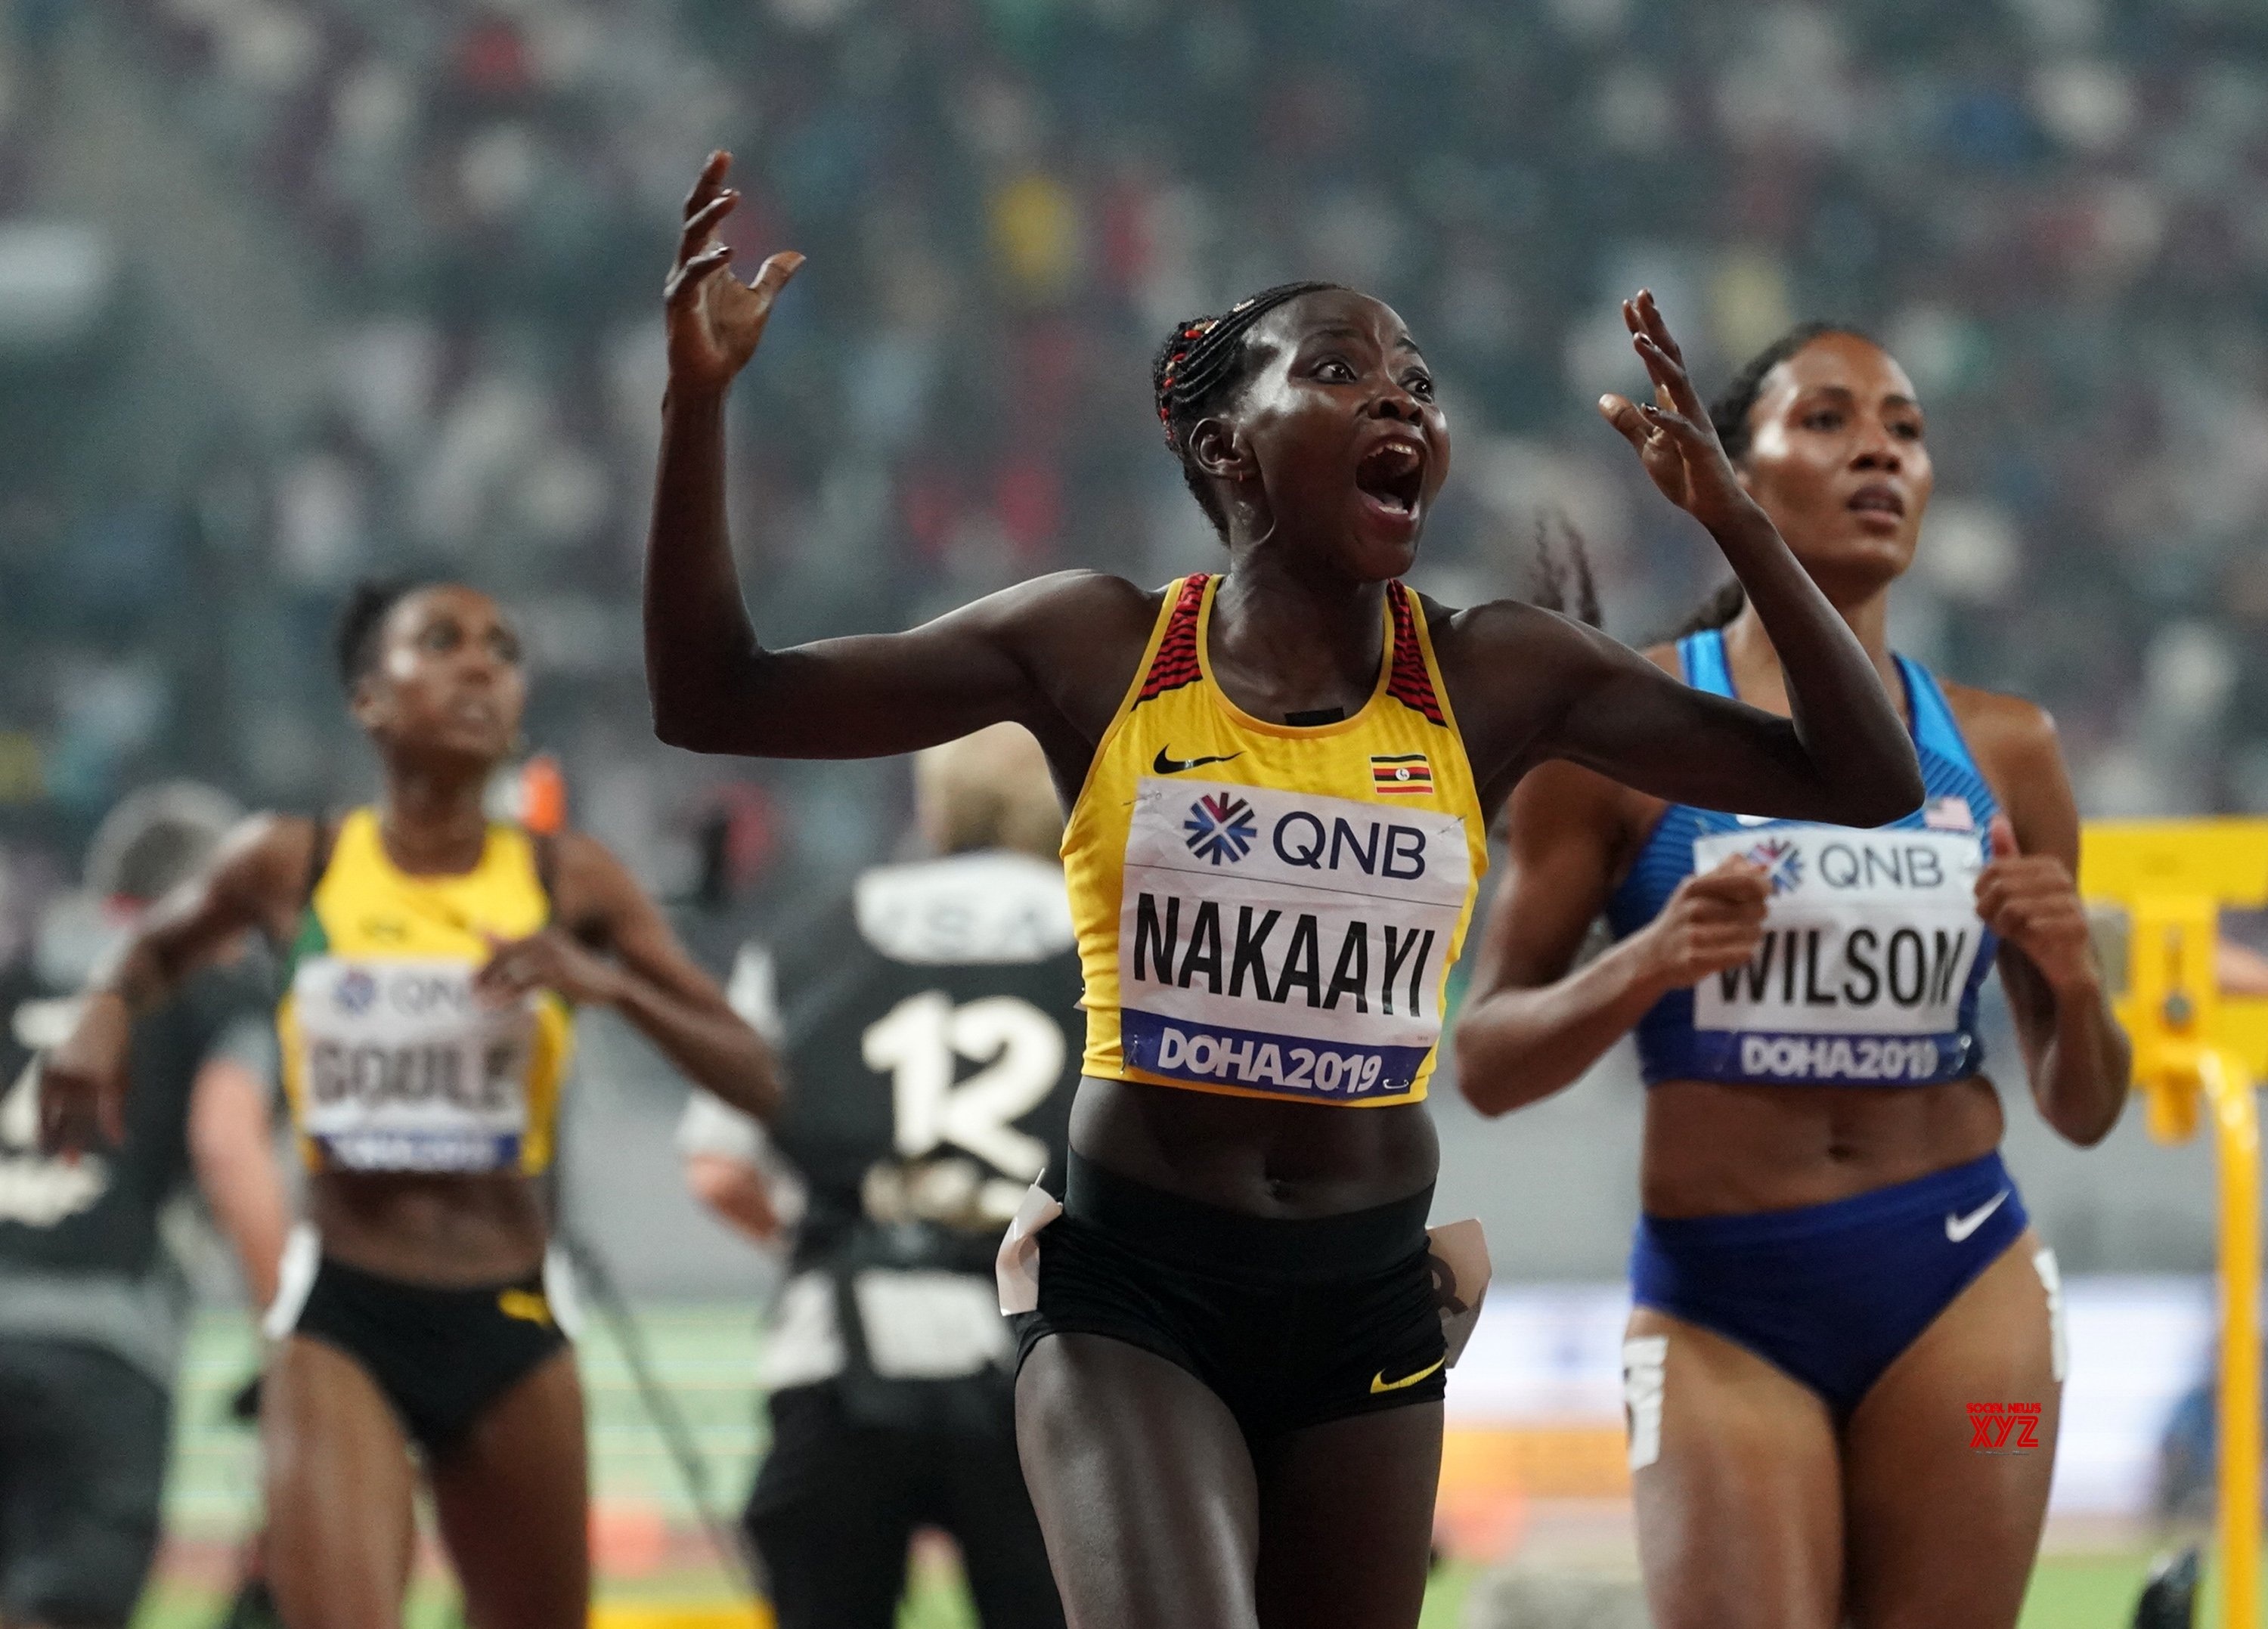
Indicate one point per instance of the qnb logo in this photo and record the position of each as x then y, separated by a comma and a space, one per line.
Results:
421, 995
1782, 862
355, 992
1220, 828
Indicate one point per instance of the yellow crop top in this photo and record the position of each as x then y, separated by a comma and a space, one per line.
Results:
1271, 909
390, 1064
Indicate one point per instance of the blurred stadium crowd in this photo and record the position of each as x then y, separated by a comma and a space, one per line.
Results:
295, 291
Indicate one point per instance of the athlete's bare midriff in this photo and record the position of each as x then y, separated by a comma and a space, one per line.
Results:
1715, 1148
447, 1231
1293, 1160
1724, 1148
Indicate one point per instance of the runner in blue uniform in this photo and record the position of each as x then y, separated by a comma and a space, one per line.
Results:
1844, 1368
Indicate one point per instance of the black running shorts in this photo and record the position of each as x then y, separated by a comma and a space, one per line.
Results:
1290, 1324
441, 1356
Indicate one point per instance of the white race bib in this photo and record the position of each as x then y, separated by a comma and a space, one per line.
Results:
1869, 934
1285, 941
401, 1069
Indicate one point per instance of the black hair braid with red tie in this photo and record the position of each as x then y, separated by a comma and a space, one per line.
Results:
1200, 367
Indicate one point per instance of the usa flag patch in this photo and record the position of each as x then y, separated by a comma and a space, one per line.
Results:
1948, 814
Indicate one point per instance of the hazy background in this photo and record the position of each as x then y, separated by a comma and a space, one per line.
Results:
295, 291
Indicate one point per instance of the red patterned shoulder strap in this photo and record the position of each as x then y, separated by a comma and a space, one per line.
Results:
1408, 682
1175, 664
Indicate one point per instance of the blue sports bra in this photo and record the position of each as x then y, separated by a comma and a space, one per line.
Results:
1873, 952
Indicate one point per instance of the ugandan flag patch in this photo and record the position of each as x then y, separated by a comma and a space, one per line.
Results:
1404, 775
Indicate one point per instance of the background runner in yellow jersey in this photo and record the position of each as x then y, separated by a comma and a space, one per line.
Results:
425, 1033
391, 1060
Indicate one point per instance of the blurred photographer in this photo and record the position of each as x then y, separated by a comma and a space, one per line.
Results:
94, 1307
930, 1035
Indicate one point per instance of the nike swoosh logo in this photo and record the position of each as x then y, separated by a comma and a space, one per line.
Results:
1379, 1383
524, 1305
1165, 765
1959, 1227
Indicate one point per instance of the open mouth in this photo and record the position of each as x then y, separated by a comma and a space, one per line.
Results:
1878, 499
1392, 474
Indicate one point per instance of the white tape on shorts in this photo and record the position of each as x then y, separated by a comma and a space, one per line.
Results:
1645, 1362
1016, 1270
2044, 1263
295, 1277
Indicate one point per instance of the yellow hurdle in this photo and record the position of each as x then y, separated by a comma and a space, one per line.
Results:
2171, 880
748, 1615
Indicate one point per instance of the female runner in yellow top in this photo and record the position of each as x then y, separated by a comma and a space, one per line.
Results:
435, 958
1229, 1401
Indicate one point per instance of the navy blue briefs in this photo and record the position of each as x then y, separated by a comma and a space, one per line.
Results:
1832, 1293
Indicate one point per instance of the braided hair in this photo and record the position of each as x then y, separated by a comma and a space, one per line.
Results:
1198, 371
362, 620
1559, 576
1729, 414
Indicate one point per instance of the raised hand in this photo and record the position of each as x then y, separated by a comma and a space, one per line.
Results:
1712, 922
2031, 902
1672, 434
716, 320
83, 1081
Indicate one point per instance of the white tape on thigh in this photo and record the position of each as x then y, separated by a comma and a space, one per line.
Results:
295, 1277
1645, 1361
2044, 1263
